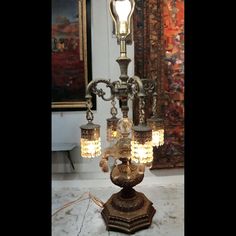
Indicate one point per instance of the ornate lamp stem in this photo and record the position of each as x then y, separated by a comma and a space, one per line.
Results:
123, 52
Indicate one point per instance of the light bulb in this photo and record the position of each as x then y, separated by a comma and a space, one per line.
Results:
114, 134
91, 148
123, 9
141, 151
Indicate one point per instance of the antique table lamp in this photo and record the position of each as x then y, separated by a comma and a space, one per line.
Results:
132, 146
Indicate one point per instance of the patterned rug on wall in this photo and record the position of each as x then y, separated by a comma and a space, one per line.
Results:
159, 55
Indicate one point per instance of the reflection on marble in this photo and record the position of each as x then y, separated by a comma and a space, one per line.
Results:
84, 218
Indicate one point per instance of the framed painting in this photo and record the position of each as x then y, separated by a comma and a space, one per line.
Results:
70, 54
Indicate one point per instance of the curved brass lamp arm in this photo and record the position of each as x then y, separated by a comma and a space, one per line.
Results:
135, 80
92, 88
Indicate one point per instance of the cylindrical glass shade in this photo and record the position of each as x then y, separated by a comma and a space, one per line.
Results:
157, 126
141, 145
90, 141
121, 11
112, 133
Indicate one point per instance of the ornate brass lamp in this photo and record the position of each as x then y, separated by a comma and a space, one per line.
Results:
127, 210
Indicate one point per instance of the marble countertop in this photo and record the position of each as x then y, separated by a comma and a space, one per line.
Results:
84, 218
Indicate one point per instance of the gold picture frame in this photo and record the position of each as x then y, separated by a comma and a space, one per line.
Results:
71, 54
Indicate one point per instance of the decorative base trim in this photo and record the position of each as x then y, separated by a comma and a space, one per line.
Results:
131, 221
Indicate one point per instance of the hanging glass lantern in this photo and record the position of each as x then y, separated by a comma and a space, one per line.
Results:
157, 126
112, 133
90, 141
141, 145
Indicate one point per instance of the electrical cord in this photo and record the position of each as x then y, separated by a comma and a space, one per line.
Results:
90, 196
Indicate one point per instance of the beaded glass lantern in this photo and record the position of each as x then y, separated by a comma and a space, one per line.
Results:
90, 141
157, 126
141, 145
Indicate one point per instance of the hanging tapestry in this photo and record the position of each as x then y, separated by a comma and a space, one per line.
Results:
159, 55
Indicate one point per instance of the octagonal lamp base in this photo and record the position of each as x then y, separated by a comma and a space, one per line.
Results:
128, 214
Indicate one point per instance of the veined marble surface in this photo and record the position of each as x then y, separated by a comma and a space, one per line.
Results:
84, 218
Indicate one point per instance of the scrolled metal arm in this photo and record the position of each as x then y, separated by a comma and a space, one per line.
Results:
135, 80
92, 88
149, 86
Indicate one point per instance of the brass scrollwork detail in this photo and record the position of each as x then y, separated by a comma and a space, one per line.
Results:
149, 86
92, 88
135, 87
